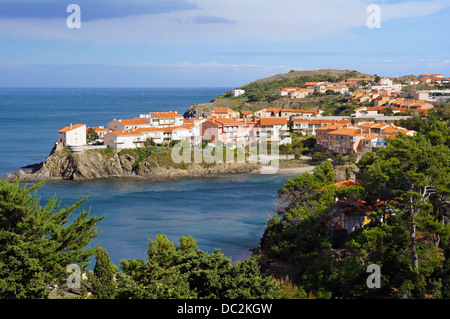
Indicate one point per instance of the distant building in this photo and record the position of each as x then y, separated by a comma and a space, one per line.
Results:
237, 92
275, 129
72, 135
129, 124
385, 84
225, 112
163, 119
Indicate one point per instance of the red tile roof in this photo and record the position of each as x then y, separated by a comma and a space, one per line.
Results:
269, 121
70, 128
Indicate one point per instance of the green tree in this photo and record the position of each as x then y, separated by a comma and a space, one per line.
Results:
37, 243
184, 271
91, 135
103, 277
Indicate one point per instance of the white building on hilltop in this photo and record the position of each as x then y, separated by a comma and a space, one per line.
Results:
385, 84
72, 135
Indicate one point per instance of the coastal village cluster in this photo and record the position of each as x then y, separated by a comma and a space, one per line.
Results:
367, 128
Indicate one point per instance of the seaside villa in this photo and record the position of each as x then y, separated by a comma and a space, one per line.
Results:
71, 136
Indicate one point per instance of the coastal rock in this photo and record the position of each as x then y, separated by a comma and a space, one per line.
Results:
88, 165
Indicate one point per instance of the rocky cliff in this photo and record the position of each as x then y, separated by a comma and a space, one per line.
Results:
87, 165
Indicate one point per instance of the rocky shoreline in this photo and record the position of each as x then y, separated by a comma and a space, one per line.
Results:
91, 165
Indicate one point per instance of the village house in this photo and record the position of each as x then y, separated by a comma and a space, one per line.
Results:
154, 134
268, 112
225, 112
410, 103
163, 119
349, 215
71, 135
412, 82
285, 91
385, 84
370, 142
129, 124
357, 82
345, 140
275, 130
348, 139
237, 92
296, 92
290, 113
300, 93
307, 126
223, 130
180, 133
246, 114
118, 140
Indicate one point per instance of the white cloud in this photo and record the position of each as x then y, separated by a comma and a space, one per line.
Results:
248, 21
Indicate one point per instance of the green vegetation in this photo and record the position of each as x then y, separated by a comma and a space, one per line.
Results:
186, 272
91, 135
407, 236
37, 243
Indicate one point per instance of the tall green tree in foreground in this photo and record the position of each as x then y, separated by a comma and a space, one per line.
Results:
102, 279
37, 243
184, 271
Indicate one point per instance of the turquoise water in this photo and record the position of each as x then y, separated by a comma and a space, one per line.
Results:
224, 212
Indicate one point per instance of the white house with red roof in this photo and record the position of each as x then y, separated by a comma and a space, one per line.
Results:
118, 140
275, 129
128, 124
163, 119
72, 135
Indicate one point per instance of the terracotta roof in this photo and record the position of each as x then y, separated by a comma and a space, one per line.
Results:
348, 183
222, 110
273, 121
99, 129
70, 127
149, 129
166, 114
135, 122
330, 127
125, 133
225, 121
320, 121
346, 131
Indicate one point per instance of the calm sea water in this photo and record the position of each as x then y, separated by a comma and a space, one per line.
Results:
225, 212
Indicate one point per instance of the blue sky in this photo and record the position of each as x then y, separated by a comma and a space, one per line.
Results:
212, 43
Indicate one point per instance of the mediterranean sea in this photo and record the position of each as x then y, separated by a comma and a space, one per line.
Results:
223, 212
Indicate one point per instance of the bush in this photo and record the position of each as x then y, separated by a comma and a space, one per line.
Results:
321, 156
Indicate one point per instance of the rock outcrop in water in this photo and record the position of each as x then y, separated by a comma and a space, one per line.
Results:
88, 165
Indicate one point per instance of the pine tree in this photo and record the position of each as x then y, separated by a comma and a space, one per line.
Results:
37, 243
103, 283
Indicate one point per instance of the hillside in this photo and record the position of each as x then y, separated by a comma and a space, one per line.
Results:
262, 93
293, 75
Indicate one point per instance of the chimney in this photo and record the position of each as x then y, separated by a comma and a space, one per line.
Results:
353, 179
70, 125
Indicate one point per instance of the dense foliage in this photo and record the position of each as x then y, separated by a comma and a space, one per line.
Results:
37, 243
185, 271
407, 236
